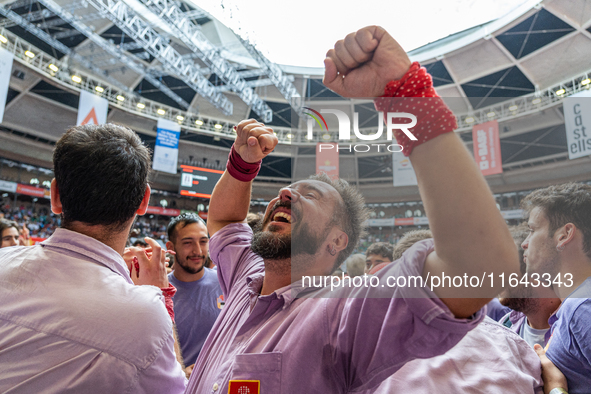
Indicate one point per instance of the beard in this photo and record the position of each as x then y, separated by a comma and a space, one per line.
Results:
271, 245
182, 262
523, 305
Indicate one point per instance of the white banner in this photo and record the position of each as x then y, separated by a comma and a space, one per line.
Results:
404, 174
6, 59
92, 109
577, 122
166, 151
8, 186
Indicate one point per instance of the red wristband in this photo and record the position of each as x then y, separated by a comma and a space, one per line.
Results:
420, 98
168, 293
241, 170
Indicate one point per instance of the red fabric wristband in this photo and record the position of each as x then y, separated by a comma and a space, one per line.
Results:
417, 96
168, 293
241, 170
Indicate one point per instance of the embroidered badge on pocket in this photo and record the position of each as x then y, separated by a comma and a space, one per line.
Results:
244, 387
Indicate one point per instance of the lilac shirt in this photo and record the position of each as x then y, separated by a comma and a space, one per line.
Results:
72, 321
490, 359
304, 345
570, 346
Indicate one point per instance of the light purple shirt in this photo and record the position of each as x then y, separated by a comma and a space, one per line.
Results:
304, 345
72, 321
490, 359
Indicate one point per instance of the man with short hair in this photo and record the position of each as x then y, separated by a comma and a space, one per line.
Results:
355, 265
531, 307
71, 318
197, 300
271, 337
10, 233
378, 253
558, 256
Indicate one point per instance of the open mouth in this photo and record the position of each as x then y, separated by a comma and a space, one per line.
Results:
282, 217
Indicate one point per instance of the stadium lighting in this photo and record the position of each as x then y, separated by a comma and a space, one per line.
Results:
469, 119
513, 108
180, 118
53, 68
560, 92
3, 39
76, 78
585, 81
141, 105
160, 111
326, 136
218, 126
490, 114
290, 136
199, 122
29, 54
120, 98
99, 89
536, 101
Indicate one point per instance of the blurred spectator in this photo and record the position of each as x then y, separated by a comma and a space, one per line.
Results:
408, 240
10, 233
355, 265
378, 253
140, 243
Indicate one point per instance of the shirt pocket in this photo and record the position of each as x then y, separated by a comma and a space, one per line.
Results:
262, 367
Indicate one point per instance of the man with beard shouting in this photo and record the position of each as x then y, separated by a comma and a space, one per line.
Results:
271, 339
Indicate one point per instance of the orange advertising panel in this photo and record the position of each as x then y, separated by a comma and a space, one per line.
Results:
487, 147
327, 159
32, 191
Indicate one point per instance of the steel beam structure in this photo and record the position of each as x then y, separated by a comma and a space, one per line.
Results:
190, 34
135, 27
112, 50
42, 35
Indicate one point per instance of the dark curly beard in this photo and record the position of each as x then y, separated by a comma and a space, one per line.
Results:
271, 246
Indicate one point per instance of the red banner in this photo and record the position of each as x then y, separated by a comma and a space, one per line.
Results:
487, 147
163, 211
327, 159
404, 221
32, 191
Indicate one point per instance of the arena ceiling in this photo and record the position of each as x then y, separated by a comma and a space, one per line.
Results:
172, 57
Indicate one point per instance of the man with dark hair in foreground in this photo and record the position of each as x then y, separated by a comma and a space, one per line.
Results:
268, 338
71, 318
9, 233
378, 253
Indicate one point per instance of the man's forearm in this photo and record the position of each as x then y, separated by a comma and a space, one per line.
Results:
470, 235
230, 202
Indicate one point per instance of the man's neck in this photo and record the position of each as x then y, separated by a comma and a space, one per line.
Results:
277, 275
185, 276
115, 240
539, 319
579, 269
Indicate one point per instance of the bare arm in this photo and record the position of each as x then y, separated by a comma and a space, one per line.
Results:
470, 235
230, 200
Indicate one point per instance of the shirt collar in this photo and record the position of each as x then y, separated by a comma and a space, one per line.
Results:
288, 293
88, 247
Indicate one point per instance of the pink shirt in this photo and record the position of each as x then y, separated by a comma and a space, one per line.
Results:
327, 345
72, 321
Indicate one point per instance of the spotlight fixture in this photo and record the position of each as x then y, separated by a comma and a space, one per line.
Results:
536, 101
585, 81
490, 114
469, 119
29, 54
76, 78
3, 39
180, 118
513, 108
99, 89
199, 122
560, 92
218, 126
141, 105
160, 111
120, 98
53, 68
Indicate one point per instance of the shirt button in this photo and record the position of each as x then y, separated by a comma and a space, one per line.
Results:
215, 387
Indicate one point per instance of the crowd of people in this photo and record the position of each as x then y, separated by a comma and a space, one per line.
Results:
84, 312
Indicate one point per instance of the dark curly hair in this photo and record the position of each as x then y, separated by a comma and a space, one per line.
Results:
350, 214
562, 204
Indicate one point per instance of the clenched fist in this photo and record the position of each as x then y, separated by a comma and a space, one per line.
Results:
254, 140
362, 64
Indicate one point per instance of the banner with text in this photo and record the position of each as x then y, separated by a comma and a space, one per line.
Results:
487, 147
327, 159
92, 109
577, 122
166, 151
404, 174
6, 59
